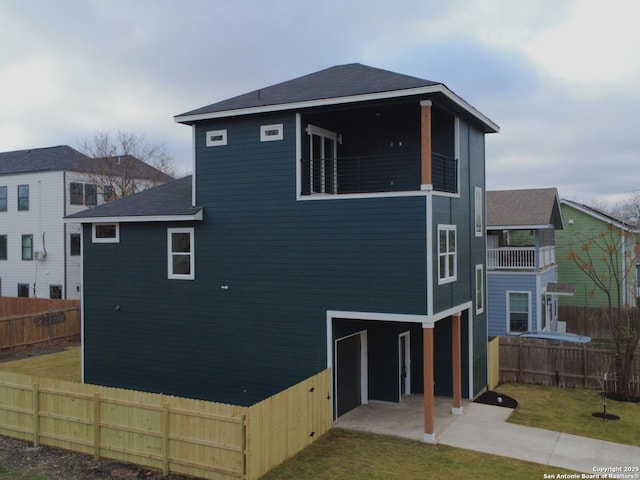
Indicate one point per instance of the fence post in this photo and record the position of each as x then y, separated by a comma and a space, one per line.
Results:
36, 415
585, 365
519, 360
244, 446
165, 438
96, 426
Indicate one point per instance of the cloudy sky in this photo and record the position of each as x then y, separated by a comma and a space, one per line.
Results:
560, 77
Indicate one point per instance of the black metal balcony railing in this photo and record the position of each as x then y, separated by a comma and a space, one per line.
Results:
376, 173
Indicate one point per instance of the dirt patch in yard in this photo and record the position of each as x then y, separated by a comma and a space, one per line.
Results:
21, 458
18, 353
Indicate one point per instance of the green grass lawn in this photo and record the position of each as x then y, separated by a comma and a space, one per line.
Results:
570, 411
342, 454
64, 365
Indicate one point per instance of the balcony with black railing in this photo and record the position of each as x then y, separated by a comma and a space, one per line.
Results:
376, 174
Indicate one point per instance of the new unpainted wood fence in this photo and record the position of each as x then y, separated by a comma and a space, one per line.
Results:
175, 435
33, 321
553, 363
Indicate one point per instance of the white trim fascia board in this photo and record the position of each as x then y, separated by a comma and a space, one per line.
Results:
343, 196
138, 219
384, 317
519, 227
530, 272
426, 320
429, 251
617, 223
439, 88
193, 165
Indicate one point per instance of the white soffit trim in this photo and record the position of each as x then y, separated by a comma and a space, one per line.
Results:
140, 219
439, 88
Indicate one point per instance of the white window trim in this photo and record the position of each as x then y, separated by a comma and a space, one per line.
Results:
478, 211
480, 268
266, 134
508, 313
95, 239
211, 141
450, 277
170, 253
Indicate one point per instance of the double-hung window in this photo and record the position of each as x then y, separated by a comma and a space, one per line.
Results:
27, 247
76, 193
3, 199
447, 255
180, 253
3, 247
518, 311
23, 197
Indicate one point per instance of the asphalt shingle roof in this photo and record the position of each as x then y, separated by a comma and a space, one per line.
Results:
335, 82
172, 198
63, 157
529, 207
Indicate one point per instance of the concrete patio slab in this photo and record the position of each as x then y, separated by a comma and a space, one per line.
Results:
484, 428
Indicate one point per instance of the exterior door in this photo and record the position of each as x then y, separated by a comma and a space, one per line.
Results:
404, 363
348, 373
324, 151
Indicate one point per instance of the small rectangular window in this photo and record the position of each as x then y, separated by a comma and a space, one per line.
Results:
3, 199
23, 289
23, 197
479, 288
479, 208
180, 251
27, 247
216, 138
105, 233
270, 133
447, 257
3, 247
90, 194
76, 193
74, 244
55, 291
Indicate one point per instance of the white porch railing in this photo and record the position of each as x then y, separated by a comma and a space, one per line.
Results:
520, 258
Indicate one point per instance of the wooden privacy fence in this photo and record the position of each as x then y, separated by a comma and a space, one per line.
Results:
590, 321
20, 305
41, 326
172, 434
493, 367
553, 363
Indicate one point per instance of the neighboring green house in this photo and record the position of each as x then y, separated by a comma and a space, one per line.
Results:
584, 224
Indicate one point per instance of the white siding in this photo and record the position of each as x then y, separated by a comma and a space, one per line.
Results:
43, 220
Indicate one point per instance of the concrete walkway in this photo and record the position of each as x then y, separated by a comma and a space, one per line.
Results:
483, 428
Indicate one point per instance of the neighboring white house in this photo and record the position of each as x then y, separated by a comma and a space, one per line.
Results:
40, 255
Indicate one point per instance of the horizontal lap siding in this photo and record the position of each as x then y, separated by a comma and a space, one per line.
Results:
497, 286
283, 264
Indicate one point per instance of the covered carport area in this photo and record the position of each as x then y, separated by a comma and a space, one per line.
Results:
391, 358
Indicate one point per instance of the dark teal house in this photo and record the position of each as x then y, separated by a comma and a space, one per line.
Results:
335, 220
